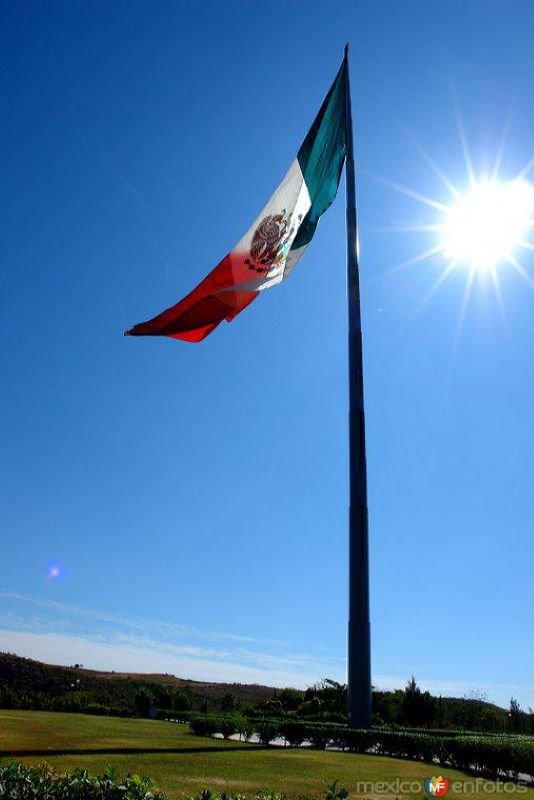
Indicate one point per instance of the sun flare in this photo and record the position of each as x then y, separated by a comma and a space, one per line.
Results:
480, 232
486, 225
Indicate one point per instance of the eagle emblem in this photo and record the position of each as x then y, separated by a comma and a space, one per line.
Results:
268, 241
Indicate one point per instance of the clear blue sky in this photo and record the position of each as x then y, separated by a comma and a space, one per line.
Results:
195, 496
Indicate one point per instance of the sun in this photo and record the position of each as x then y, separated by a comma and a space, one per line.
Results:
479, 232
488, 224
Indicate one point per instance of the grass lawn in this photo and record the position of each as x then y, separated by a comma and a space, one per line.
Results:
180, 762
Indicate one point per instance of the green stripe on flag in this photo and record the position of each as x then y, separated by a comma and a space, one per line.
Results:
322, 154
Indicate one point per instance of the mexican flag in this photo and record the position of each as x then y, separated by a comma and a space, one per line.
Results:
277, 239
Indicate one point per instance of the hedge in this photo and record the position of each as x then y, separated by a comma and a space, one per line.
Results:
509, 755
177, 716
490, 755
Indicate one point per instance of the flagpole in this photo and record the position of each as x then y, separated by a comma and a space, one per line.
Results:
359, 645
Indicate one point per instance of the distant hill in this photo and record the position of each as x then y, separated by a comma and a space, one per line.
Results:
25, 683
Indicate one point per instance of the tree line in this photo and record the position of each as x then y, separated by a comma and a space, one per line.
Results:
29, 684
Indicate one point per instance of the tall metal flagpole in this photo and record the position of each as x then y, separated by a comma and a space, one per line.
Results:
359, 645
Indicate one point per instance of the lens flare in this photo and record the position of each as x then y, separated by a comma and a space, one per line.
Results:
54, 571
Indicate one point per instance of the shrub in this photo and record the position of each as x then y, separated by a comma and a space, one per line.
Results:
204, 725
120, 711
293, 731
18, 781
245, 728
228, 725
494, 755
179, 716
267, 730
98, 708
319, 736
418, 747
333, 793
502, 755
358, 741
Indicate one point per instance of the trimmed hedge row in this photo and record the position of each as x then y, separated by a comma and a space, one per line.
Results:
292, 718
508, 755
490, 755
177, 716
100, 709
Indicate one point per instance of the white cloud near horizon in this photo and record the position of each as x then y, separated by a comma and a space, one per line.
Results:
124, 657
56, 633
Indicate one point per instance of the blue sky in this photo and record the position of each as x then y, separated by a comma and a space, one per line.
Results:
194, 497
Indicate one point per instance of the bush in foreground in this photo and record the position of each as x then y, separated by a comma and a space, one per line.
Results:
18, 782
332, 792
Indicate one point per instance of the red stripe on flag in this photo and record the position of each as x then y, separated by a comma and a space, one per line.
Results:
212, 301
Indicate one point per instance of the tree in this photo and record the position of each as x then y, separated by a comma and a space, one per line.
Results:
417, 707
334, 695
163, 696
143, 702
290, 699
515, 715
386, 706
182, 700
329, 695
230, 702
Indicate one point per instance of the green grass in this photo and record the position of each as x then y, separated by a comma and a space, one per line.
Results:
180, 762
